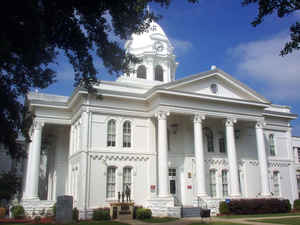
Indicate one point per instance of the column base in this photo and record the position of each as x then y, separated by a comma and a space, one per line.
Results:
235, 196
266, 195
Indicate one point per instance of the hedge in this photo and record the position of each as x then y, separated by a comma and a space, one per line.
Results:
142, 213
101, 214
224, 208
18, 212
296, 204
257, 206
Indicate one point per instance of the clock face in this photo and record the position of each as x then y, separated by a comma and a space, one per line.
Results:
158, 46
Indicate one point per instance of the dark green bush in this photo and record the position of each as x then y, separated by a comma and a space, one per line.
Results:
75, 214
142, 213
18, 212
101, 214
37, 219
297, 204
259, 206
224, 208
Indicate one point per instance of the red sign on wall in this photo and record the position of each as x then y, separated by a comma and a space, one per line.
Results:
152, 187
189, 187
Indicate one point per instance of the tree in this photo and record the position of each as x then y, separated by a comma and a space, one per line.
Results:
282, 8
34, 31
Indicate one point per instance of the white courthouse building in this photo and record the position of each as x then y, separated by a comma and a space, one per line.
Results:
187, 142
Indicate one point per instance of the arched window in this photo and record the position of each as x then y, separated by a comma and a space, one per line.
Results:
159, 73
111, 182
127, 134
127, 178
141, 72
111, 133
209, 139
272, 145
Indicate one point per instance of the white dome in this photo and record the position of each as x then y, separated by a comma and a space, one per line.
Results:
146, 41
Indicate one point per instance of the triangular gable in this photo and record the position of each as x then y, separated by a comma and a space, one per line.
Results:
227, 86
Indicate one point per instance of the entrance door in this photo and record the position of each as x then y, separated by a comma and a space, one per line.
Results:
172, 181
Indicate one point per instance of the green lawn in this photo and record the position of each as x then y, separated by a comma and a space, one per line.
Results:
290, 221
81, 223
216, 223
259, 215
159, 220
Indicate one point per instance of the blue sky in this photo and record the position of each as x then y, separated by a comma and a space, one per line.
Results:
219, 33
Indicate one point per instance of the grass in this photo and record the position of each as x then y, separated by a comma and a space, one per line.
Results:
290, 221
216, 223
259, 215
159, 220
80, 223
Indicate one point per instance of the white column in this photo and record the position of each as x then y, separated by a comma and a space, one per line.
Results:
33, 165
262, 158
232, 158
163, 179
199, 155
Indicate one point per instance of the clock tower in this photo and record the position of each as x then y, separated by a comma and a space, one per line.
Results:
156, 52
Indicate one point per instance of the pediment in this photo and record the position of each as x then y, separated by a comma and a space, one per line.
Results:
226, 85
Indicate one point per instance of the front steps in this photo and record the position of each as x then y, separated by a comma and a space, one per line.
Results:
190, 211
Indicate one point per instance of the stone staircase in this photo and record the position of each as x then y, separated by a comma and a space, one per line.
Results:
190, 211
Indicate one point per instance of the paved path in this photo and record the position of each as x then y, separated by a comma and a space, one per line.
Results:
186, 221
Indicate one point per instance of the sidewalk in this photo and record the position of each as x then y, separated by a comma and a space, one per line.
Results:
186, 221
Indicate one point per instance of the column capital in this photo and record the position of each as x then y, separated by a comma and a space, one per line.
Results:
38, 124
198, 118
260, 124
229, 122
162, 115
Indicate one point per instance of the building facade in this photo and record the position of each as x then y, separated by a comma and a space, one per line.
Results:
189, 142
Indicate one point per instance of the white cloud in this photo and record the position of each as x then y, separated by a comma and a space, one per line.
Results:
180, 46
260, 60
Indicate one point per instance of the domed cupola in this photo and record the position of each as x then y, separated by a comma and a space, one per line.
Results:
157, 64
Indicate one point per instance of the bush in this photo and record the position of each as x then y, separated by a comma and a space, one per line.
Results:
54, 210
224, 208
259, 206
2, 212
142, 213
37, 219
296, 205
18, 212
101, 214
75, 214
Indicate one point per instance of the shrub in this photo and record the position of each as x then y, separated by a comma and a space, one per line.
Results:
54, 210
224, 208
259, 206
297, 204
18, 212
75, 214
2, 212
101, 214
37, 219
142, 213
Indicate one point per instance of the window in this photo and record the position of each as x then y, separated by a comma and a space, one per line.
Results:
172, 172
111, 133
111, 182
212, 183
224, 183
222, 145
276, 179
159, 73
298, 151
127, 134
127, 178
271, 145
209, 139
214, 88
142, 72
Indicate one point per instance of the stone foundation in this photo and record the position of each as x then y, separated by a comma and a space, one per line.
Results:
164, 206
37, 206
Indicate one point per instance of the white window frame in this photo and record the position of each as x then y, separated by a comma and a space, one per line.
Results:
276, 183
111, 194
213, 183
130, 177
225, 191
112, 135
127, 134
137, 72
272, 146
155, 75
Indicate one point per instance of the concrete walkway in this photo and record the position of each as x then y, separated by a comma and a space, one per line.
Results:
186, 221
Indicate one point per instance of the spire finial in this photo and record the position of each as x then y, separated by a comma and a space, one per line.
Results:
148, 8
